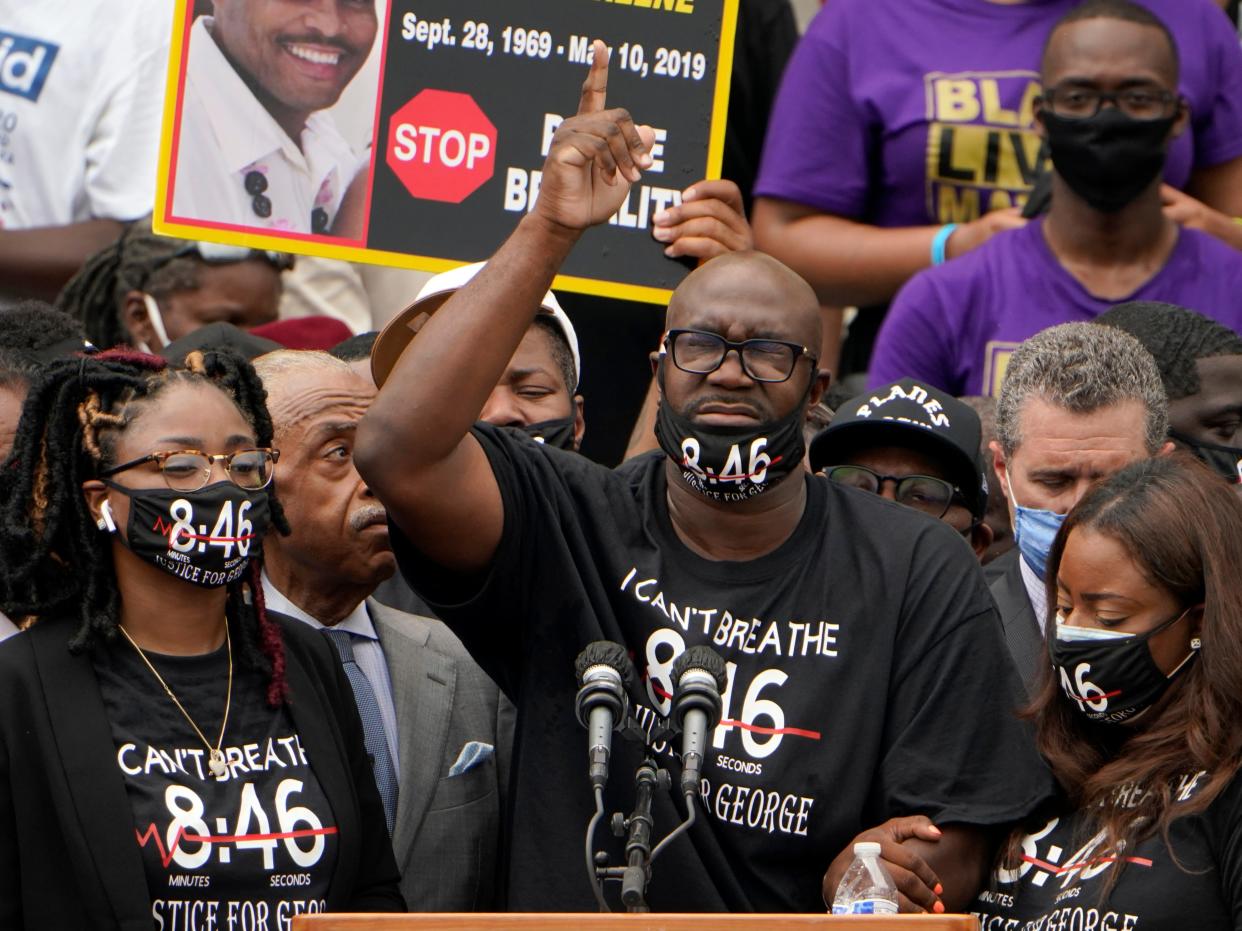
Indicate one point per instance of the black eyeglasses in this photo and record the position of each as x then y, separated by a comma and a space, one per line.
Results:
190, 469
932, 496
1082, 103
701, 353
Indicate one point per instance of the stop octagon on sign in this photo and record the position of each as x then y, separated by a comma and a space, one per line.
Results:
441, 146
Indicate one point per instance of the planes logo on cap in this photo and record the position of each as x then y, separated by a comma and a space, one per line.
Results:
916, 394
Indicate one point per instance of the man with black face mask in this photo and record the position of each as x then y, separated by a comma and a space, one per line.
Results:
865, 666
1200, 363
1108, 111
537, 393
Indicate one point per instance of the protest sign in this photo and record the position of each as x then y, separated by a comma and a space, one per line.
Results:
421, 125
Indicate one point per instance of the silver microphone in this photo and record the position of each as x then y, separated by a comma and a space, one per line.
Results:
698, 679
604, 673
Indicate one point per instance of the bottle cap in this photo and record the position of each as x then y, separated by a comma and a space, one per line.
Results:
866, 849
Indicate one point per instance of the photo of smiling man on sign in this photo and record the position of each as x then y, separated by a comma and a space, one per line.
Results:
255, 147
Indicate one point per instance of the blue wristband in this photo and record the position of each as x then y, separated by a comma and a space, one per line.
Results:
940, 241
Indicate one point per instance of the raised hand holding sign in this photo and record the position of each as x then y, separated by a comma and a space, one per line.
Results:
594, 158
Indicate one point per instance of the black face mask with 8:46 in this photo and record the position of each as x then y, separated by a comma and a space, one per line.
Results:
731, 464
205, 537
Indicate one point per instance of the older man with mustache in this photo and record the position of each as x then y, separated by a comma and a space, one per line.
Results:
435, 725
256, 147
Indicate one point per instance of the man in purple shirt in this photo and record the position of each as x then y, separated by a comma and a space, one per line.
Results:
897, 118
1110, 111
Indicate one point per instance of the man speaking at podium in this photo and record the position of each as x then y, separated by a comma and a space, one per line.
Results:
868, 681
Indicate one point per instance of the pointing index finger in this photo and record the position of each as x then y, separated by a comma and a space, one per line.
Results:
595, 88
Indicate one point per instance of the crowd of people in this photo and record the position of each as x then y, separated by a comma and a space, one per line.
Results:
292, 608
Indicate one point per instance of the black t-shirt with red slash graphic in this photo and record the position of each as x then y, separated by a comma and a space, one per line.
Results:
250, 850
1065, 869
867, 678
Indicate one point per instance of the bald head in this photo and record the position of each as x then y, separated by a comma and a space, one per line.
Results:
777, 301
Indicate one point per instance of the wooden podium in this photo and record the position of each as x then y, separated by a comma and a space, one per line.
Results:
622, 922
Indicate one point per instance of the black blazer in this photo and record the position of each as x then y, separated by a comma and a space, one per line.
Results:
68, 858
1022, 633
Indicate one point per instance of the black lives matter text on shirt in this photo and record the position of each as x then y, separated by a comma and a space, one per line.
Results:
867, 678
461, 151
1065, 867
248, 851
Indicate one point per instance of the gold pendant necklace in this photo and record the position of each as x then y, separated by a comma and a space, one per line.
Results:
215, 756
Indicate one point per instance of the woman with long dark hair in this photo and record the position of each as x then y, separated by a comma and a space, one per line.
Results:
1139, 714
168, 753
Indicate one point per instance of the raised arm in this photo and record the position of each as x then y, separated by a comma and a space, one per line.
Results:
414, 447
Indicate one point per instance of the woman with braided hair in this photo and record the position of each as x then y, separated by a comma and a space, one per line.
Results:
146, 290
169, 755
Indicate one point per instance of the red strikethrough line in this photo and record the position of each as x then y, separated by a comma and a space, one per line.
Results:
1106, 695
211, 539
685, 464
153, 833
759, 729
753, 728
1069, 867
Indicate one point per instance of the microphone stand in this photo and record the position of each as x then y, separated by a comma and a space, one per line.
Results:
637, 872
637, 829
699, 690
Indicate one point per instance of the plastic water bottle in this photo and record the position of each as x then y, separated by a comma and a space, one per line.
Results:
866, 888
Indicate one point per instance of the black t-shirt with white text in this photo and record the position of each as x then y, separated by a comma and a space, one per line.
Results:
250, 850
867, 678
1060, 883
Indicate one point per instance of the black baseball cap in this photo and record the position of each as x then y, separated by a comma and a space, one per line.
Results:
219, 336
912, 414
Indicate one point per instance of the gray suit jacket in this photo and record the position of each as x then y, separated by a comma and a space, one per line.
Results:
1022, 633
447, 834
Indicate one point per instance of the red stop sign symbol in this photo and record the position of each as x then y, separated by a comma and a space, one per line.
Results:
441, 146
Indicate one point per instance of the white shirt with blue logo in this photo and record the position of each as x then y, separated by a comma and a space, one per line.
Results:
81, 103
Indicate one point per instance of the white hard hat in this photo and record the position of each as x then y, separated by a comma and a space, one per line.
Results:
402, 328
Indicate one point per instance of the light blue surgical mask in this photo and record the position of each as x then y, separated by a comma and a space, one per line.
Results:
1070, 634
1034, 530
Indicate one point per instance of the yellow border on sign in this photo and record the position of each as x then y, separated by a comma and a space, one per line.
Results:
720, 99
256, 240
171, 83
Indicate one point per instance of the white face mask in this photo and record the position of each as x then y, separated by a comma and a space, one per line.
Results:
157, 323
1070, 634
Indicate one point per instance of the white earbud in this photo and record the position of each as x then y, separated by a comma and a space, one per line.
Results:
157, 321
105, 520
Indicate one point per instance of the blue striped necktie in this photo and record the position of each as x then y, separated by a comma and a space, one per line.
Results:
372, 724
